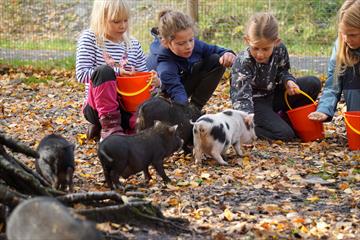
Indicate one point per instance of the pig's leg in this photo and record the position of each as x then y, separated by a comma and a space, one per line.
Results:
237, 147
160, 170
216, 154
108, 178
114, 176
147, 174
69, 178
197, 154
56, 184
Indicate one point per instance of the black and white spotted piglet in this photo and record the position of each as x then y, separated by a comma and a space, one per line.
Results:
214, 133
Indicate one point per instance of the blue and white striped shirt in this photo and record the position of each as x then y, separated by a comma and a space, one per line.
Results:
89, 55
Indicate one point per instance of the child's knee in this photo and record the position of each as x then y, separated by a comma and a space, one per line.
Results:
316, 83
102, 74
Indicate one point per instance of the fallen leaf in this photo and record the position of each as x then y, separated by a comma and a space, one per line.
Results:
313, 199
228, 215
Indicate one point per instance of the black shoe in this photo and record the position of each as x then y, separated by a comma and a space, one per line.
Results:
93, 132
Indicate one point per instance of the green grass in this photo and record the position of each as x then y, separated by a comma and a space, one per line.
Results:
66, 63
32, 80
307, 28
55, 44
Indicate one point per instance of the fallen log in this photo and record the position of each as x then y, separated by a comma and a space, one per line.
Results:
19, 183
23, 181
16, 146
139, 214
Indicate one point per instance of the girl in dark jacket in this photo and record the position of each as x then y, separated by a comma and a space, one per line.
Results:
260, 76
187, 67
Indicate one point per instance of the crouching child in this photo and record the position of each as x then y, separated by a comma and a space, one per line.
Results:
125, 155
215, 133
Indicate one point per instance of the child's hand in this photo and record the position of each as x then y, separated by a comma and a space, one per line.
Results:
155, 80
292, 88
318, 116
227, 59
122, 71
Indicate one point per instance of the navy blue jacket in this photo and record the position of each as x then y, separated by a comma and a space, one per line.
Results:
173, 69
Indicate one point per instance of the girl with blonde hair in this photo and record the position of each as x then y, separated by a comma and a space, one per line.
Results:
260, 76
105, 51
344, 65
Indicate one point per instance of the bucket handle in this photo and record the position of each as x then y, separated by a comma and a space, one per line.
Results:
302, 92
350, 126
137, 92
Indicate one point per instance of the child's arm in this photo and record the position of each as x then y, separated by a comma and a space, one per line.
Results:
85, 57
240, 88
171, 81
140, 57
283, 73
227, 56
332, 90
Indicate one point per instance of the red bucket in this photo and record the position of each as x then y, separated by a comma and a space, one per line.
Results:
308, 130
134, 89
352, 120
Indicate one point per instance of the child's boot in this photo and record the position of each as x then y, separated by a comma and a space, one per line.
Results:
93, 132
110, 124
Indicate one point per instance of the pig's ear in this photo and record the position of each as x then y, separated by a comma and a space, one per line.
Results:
249, 121
173, 128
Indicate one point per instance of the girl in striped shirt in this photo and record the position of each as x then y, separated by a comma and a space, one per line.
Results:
105, 51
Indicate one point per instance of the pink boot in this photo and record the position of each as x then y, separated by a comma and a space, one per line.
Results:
110, 124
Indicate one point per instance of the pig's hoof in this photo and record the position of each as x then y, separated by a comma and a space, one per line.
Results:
223, 163
167, 180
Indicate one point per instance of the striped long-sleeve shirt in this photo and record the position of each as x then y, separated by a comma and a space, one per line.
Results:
90, 55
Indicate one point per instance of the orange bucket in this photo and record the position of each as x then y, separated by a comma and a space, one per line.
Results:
352, 120
308, 130
134, 89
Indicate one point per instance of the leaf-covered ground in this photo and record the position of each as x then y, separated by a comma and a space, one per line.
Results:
282, 190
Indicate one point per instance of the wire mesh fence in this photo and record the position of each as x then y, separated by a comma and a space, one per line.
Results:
48, 29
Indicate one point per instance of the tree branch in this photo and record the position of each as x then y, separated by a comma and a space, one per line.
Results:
17, 146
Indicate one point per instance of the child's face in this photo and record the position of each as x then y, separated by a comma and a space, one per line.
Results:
261, 49
116, 29
350, 35
183, 43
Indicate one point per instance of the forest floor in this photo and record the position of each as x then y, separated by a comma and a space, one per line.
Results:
282, 190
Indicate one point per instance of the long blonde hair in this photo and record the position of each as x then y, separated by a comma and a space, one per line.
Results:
108, 10
349, 15
262, 26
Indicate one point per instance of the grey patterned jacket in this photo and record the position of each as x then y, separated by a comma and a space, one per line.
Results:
250, 79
